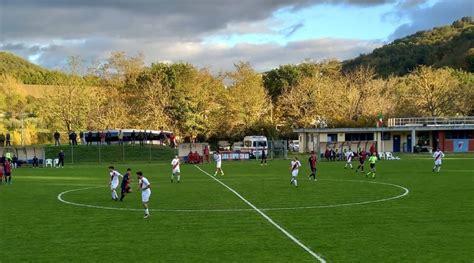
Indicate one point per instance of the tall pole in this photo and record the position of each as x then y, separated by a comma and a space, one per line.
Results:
22, 129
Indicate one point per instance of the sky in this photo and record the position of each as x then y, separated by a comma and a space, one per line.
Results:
214, 34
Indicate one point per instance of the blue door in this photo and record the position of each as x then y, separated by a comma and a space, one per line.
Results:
409, 147
396, 143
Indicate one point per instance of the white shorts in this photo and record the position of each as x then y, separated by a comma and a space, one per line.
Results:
176, 171
219, 164
349, 161
294, 173
146, 195
113, 185
438, 162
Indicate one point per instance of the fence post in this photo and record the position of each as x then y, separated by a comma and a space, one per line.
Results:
72, 153
100, 156
123, 151
150, 151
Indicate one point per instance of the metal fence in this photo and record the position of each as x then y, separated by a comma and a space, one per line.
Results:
429, 121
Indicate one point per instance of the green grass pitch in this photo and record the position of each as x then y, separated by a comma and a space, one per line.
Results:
200, 220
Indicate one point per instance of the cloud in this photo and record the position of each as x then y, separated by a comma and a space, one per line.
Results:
138, 19
425, 18
217, 57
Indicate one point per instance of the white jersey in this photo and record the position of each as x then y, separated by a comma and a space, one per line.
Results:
438, 155
349, 155
146, 192
295, 165
114, 178
175, 165
218, 158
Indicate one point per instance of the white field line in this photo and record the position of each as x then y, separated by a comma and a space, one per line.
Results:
61, 199
290, 236
406, 191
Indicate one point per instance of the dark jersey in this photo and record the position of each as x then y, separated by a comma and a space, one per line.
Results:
362, 156
125, 180
312, 162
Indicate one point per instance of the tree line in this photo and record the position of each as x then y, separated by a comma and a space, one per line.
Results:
198, 105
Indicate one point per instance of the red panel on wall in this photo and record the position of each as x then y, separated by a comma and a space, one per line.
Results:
471, 146
448, 146
441, 137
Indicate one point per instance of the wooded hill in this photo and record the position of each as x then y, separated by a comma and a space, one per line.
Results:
451, 46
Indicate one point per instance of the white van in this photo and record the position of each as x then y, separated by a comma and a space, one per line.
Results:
255, 145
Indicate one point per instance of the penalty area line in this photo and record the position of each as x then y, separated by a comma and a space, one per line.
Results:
290, 236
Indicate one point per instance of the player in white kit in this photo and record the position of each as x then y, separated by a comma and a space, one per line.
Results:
218, 158
146, 192
294, 168
438, 155
175, 171
114, 182
349, 156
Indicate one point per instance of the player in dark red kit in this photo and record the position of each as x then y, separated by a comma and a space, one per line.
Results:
7, 167
126, 184
362, 157
312, 165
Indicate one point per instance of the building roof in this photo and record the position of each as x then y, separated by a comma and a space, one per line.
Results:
387, 129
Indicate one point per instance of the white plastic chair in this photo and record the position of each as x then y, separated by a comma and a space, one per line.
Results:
389, 156
56, 162
48, 162
381, 155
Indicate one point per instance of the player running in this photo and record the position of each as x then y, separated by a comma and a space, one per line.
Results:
362, 158
126, 184
312, 165
175, 171
146, 192
294, 168
438, 155
372, 161
218, 158
349, 156
114, 181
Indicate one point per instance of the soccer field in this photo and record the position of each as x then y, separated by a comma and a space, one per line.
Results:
252, 214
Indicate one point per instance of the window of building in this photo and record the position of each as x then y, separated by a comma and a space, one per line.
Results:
359, 137
466, 134
385, 136
332, 137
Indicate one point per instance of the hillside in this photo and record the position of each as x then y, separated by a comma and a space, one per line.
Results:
26, 71
451, 46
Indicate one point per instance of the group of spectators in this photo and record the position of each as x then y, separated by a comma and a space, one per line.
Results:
195, 158
101, 137
5, 140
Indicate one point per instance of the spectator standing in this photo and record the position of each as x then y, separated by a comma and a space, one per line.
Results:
61, 159
141, 138
81, 137
102, 137
57, 136
14, 161
120, 137
108, 137
89, 138
70, 137
74, 138
161, 136
2, 140
132, 137
207, 158
35, 162
8, 140
173, 140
